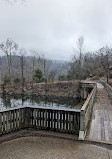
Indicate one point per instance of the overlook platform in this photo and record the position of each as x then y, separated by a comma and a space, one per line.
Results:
21, 134
31, 144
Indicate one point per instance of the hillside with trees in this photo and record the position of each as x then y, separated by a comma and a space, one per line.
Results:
17, 68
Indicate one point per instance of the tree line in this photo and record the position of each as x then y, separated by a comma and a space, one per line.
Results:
17, 67
85, 65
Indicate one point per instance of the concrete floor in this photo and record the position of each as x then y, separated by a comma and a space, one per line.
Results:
51, 148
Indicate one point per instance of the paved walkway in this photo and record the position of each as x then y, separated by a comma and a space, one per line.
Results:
101, 123
52, 147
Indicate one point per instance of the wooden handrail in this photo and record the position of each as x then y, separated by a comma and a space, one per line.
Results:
88, 99
85, 113
48, 108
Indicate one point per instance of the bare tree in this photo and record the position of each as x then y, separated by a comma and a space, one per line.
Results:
47, 69
22, 61
105, 58
34, 60
44, 65
9, 47
93, 64
76, 65
80, 44
52, 75
1, 73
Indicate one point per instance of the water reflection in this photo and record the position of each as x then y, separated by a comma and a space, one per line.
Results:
10, 102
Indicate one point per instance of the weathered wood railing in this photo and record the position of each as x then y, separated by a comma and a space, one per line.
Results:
43, 118
85, 113
109, 89
40, 118
12, 119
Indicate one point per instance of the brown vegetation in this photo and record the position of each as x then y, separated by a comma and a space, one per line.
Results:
57, 89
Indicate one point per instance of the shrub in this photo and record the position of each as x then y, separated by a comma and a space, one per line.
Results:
6, 79
62, 78
38, 76
16, 80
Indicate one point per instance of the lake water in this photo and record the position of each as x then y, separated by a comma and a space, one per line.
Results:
10, 102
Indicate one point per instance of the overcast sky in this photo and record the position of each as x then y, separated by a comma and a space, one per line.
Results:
53, 26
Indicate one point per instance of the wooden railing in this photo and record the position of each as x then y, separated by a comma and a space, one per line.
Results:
109, 89
12, 120
43, 118
40, 118
85, 113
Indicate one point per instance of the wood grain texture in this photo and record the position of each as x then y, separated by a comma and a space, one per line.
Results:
101, 122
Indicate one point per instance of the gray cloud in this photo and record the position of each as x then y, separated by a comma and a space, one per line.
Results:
53, 26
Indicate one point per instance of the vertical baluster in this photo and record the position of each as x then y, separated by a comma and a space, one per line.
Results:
66, 121
48, 119
7, 125
20, 118
57, 120
54, 120
37, 118
31, 120
0, 123
23, 118
63, 121
3, 122
42, 119
51, 120
73, 129
17, 119
60, 121
13, 120
27, 117
45, 119
34, 118
10, 121
69, 122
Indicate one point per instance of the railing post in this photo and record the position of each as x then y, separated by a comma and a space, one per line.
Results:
82, 126
27, 117
0, 123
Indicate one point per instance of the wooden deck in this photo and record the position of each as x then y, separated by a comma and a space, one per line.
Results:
101, 122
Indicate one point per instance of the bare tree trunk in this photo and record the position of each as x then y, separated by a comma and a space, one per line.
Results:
108, 73
9, 47
22, 73
33, 69
34, 60
80, 43
107, 57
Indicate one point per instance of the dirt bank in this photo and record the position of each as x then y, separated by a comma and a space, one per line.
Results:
57, 89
